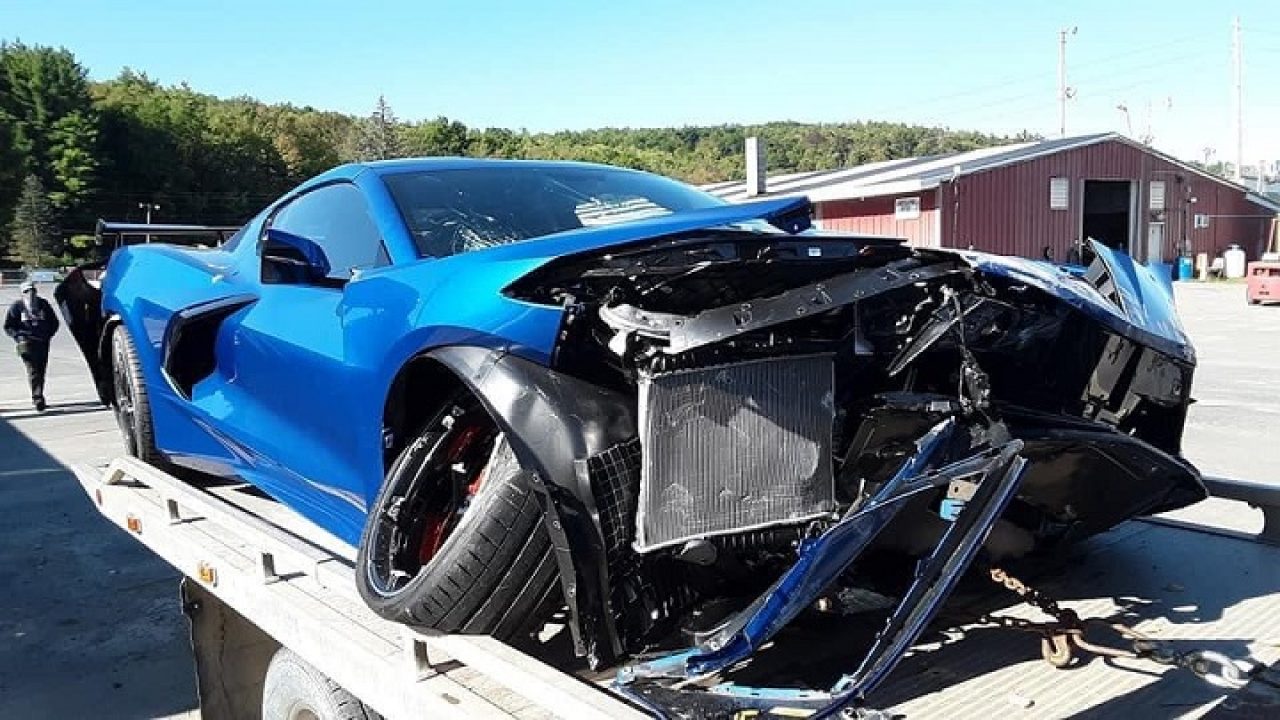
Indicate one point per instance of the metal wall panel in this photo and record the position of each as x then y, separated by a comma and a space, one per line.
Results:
875, 216
1006, 210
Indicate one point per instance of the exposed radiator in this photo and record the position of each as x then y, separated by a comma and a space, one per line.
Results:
734, 447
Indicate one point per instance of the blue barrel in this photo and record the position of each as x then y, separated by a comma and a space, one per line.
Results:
1186, 269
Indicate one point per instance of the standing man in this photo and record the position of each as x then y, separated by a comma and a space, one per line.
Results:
32, 323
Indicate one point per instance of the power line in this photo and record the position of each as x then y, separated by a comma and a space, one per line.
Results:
1004, 110
1165, 46
1084, 90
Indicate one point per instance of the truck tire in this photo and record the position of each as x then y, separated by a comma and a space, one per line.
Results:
455, 540
293, 690
132, 406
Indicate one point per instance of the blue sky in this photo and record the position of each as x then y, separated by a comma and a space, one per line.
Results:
574, 64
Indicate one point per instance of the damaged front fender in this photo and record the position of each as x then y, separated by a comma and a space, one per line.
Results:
553, 420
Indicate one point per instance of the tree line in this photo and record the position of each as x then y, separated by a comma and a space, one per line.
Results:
73, 150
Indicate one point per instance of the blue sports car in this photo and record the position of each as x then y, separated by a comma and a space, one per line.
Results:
524, 386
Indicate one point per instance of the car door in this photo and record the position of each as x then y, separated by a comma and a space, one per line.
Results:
291, 374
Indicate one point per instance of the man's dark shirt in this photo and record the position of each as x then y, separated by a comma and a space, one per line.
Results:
39, 322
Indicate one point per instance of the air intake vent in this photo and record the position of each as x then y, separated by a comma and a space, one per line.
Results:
734, 447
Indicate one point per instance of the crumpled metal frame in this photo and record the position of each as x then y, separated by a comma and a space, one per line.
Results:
668, 684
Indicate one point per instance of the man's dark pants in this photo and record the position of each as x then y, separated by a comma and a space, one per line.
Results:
35, 355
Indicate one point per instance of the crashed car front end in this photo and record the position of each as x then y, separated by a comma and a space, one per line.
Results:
763, 410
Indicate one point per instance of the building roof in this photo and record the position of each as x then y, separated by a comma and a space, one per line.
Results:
1265, 201
895, 177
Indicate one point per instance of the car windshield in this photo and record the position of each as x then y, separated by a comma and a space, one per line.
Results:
453, 211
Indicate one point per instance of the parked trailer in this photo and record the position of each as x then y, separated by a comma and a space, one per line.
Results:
261, 583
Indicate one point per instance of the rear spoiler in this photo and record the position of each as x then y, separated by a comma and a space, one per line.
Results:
79, 295
111, 235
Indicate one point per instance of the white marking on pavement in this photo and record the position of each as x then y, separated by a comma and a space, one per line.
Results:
33, 471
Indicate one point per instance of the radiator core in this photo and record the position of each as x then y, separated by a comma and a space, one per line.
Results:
734, 447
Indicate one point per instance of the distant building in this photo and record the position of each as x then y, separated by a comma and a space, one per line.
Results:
1035, 198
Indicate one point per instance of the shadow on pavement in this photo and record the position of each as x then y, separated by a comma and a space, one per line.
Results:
90, 622
74, 408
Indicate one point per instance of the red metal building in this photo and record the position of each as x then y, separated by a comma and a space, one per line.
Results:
1038, 198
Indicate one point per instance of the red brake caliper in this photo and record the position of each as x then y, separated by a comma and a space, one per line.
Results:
438, 524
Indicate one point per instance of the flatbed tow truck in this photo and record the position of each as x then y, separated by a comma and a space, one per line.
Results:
259, 578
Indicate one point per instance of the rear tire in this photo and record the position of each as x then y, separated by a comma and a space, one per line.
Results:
132, 405
494, 574
293, 690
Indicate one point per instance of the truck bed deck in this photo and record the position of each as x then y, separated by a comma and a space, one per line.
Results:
1202, 588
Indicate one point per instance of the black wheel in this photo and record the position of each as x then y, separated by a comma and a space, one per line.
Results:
132, 408
455, 540
293, 690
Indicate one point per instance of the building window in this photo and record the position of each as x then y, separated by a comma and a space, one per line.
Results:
1059, 193
1200, 221
906, 208
1157, 195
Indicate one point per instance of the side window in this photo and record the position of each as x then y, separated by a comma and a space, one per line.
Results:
336, 218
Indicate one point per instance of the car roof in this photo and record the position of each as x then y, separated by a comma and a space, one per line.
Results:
429, 164
420, 164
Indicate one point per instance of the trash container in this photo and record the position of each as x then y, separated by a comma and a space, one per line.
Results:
1186, 269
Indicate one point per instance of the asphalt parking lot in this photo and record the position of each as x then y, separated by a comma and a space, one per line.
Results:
89, 620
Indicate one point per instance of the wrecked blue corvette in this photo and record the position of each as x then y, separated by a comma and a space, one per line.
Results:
520, 386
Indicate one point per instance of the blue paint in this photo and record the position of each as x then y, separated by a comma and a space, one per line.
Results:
949, 509
296, 401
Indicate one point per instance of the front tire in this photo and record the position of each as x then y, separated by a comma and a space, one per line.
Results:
132, 404
455, 540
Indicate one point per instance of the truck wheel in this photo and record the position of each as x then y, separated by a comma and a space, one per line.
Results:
132, 407
455, 540
293, 690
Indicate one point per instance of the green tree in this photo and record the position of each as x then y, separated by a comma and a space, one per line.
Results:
51, 128
377, 137
73, 140
441, 136
309, 141
11, 161
34, 229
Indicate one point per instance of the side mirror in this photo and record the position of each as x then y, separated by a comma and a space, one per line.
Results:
292, 259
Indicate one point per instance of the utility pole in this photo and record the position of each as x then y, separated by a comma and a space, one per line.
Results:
148, 207
1147, 135
1128, 122
1237, 61
1064, 92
